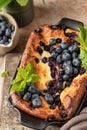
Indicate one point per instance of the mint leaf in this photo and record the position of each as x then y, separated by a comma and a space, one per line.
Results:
33, 78
18, 86
83, 45
25, 75
29, 69
22, 2
3, 3
4, 74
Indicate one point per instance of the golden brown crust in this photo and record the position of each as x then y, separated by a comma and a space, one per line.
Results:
70, 97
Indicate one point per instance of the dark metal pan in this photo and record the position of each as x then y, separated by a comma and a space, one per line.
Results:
39, 124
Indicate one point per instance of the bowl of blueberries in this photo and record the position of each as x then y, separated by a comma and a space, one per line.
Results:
9, 33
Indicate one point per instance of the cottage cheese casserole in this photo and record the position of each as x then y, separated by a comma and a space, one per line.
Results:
54, 53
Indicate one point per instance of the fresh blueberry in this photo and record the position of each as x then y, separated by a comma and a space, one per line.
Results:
65, 51
58, 40
59, 85
36, 60
47, 48
73, 48
39, 50
49, 98
52, 41
42, 43
27, 96
1, 32
38, 30
65, 77
54, 27
20, 93
68, 69
76, 62
2, 18
2, 41
50, 84
36, 102
74, 55
75, 70
59, 49
3, 28
54, 54
5, 38
68, 62
66, 56
64, 45
53, 74
32, 89
44, 59
59, 59
8, 32
34, 96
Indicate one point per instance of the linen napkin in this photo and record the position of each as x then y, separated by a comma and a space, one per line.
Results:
77, 123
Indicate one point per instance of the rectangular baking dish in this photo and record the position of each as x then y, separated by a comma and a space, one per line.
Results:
39, 124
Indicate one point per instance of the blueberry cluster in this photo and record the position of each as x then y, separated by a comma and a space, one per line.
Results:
6, 31
31, 93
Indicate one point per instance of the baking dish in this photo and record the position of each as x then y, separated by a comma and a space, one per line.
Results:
37, 123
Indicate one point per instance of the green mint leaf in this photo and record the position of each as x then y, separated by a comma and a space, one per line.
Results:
33, 78
4, 74
22, 2
18, 86
29, 69
4, 3
83, 57
83, 45
24, 75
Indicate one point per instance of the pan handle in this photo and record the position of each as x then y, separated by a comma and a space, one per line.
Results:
70, 23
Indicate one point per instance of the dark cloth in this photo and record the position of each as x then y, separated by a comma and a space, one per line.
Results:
77, 123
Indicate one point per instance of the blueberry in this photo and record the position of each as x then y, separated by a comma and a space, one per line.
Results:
54, 54
1, 32
68, 69
50, 84
76, 62
58, 40
47, 48
65, 51
59, 59
74, 54
8, 32
75, 71
63, 115
36, 60
59, 85
64, 45
53, 74
53, 106
54, 27
73, 48
2, 41
68, 62
42, 43
59, 49
36, 102
66, 56
52, 41
2, 18
49, 98
27, 96
12, 28
20, 93
39, 50
57, 99
44, 59
3, 28
5, 38
32, 89
35, 96
65, 77
61, 72
38, 30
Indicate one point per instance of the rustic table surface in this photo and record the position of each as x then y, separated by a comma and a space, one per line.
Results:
50, 13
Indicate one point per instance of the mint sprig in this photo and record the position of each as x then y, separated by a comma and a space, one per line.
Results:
24, 76
4, 74
83, 45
